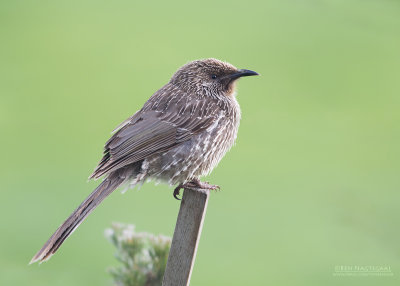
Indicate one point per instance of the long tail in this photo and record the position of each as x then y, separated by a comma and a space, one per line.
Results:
76, 218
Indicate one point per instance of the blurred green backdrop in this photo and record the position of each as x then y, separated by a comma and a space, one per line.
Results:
312, 184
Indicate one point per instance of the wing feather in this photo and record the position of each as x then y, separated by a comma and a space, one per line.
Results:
155, 128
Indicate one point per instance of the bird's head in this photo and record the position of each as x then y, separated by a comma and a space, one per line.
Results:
209, 77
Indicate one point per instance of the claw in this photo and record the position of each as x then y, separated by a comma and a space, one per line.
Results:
177, 192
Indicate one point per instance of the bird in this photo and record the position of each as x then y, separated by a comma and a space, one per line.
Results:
179, 135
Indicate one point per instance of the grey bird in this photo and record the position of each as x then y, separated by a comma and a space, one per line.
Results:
179, 135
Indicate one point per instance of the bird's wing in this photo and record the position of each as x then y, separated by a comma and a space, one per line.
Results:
154, 129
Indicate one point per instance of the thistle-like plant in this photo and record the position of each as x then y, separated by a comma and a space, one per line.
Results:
143, 256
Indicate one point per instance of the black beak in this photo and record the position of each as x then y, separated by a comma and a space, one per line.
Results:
241, 73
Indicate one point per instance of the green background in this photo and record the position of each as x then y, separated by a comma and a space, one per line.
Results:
312, 183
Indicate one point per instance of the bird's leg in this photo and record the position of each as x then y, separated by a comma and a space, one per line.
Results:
195, 184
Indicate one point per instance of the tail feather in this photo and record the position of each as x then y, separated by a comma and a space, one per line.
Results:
78, 216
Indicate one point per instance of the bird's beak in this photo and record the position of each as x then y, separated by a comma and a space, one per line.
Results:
241, 73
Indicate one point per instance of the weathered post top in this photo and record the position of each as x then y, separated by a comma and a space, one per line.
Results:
186, 238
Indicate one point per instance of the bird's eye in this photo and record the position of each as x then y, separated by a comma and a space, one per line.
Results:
213, 76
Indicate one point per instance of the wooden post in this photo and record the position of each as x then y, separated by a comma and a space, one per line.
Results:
186, 238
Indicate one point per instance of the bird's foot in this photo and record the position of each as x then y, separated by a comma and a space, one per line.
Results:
196, 185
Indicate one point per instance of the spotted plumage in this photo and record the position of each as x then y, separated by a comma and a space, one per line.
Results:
180, 134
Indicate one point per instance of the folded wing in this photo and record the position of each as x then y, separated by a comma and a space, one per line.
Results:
154, 130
